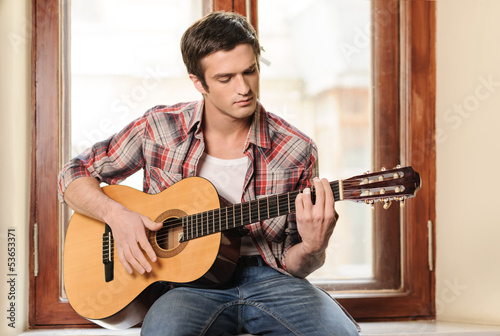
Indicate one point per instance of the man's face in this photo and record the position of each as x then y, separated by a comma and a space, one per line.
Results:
232, 79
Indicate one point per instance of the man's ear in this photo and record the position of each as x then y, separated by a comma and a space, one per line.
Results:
197, 84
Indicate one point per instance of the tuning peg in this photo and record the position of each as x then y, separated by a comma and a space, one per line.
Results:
387, 204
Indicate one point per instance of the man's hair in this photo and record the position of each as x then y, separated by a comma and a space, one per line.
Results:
214, 32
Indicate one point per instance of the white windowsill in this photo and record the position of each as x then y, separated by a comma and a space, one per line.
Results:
420, 328
428, 328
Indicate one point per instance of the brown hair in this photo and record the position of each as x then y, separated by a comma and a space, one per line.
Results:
214, 32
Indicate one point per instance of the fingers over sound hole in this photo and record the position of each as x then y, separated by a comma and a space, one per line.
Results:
165, 241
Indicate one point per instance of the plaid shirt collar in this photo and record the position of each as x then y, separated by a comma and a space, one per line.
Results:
259, 130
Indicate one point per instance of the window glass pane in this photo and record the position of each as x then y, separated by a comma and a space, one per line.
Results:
124, 59
120, 59
316, 73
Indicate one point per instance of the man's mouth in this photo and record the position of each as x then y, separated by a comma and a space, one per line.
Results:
244, 102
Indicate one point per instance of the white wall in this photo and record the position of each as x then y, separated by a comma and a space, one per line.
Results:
468, 158
15, 132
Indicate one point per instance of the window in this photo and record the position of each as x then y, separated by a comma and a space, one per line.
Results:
317, 76
402, 102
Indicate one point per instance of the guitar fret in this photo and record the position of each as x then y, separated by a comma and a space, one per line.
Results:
288, 203
196, 225
258, 210
234, 218
278, 203
226, 220
200, 225
267, 203
213, 221
256, 207
220, 227
190, 224
184, 228
271, 205
206, 223
210, 221
262, 212
193, 226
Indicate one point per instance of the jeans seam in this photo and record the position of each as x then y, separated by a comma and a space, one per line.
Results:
356, 324
239, 327
216, 314
276, 316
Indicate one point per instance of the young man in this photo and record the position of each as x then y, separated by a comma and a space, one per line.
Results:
247, 153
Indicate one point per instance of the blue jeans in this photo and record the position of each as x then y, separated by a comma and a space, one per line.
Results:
260, 301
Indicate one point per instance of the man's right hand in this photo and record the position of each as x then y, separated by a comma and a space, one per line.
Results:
85, 196
131, 241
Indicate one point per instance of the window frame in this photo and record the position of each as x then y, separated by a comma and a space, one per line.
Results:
407, 104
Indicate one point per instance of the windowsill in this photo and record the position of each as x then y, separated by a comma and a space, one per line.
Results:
419, 328
427, 328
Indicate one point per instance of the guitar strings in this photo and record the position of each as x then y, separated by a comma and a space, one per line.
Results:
208, 225
217, 220
205, 223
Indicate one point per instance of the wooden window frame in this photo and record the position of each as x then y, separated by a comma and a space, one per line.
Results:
406, 103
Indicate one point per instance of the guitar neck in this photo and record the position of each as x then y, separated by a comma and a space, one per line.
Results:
238, 215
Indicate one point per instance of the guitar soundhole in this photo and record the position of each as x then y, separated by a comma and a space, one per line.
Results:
165, 241
168, 237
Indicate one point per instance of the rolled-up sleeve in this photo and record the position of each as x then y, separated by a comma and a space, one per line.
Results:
109, 161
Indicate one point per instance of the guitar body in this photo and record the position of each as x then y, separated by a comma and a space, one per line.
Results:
122, 299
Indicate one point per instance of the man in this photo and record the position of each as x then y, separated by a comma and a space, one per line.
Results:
247, 153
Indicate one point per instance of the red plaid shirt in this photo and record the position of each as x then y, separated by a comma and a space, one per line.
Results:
168, 143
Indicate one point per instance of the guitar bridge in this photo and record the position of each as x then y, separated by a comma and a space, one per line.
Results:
108, 254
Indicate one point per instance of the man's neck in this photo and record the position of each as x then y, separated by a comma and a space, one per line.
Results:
225, 138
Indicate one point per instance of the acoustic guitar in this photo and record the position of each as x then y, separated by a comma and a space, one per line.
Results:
196, 246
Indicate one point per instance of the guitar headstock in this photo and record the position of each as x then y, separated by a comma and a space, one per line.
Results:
396, 184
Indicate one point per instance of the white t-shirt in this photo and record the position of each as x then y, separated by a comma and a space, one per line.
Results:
228, 177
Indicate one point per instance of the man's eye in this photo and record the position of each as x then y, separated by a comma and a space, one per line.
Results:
224, 79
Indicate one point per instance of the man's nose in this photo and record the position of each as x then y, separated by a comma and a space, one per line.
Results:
242, 86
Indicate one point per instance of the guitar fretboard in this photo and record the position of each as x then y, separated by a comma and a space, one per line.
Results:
238, 215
